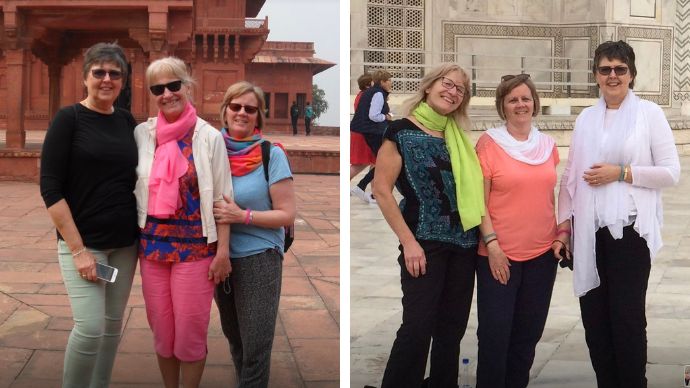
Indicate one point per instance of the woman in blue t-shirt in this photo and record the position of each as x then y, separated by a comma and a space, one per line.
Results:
248, 299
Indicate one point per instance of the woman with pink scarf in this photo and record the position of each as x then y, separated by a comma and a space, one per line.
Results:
182, 171
517, 263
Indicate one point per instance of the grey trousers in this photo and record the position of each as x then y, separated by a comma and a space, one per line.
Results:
97, 310
248, 305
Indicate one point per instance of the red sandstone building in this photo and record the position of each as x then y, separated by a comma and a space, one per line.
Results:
41, 46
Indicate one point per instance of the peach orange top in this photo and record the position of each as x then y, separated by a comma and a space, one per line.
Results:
521, 201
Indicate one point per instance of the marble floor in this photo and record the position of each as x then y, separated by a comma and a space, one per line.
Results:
562, 359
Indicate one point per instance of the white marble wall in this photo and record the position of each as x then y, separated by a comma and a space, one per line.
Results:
565, 28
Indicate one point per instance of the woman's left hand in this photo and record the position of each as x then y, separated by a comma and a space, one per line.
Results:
220, 267
601, 174
228, 212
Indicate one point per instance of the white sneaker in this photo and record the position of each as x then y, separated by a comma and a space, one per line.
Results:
359, 193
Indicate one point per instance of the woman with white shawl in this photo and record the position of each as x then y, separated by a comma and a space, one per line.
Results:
516, 269
610, 213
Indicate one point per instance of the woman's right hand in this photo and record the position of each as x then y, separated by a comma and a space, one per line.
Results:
498, 263
85, 263
415, 260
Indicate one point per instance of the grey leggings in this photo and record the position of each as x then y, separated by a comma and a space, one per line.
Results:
248, 305
97, 309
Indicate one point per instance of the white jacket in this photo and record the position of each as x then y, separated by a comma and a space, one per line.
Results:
212, 169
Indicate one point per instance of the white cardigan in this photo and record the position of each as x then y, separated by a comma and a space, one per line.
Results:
212, 170
654, 165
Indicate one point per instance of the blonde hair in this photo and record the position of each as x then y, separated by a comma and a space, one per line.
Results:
433, 75
172, 67
238, 89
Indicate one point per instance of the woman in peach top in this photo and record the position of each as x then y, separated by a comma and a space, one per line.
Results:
517, 264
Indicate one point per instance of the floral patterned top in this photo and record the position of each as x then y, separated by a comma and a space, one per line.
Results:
180, 237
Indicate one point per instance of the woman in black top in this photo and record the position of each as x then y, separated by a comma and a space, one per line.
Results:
433, 165
87, 182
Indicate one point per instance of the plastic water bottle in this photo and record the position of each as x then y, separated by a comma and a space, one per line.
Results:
465, 374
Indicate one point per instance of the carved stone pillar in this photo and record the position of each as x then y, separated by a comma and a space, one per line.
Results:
54, 75
16, 60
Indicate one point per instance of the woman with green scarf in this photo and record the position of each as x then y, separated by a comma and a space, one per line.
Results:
434, 166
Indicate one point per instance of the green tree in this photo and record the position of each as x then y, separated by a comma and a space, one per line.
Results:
319, 103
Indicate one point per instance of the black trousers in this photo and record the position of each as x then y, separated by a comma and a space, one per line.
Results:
294, 124
511, 319
374, 142
613, 314
307, 125
436, 305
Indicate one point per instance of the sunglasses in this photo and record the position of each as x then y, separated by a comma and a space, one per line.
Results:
100, 74
508, 77
606, 70
174, 86
250, 110
448, 84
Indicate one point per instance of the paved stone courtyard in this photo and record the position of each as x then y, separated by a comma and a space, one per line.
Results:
562, 359
35, 316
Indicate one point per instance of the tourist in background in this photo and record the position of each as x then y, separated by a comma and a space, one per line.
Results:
182, 170
248, 300
294, 115
516, 269
622, 154
360, 153
88, 175
308, 117
433, 164
371, 119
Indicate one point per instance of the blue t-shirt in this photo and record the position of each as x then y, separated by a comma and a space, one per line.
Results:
251, 191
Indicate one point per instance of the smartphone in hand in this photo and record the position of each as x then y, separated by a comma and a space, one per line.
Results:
106, 272
565, 263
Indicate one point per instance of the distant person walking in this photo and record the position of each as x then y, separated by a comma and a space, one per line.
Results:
308, 116
360, 153
371, 120
294, 115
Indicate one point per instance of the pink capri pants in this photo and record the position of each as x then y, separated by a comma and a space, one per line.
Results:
178, 306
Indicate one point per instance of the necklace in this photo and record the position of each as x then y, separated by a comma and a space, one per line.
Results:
88, 104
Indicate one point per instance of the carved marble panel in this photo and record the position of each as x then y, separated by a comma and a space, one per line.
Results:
648, 54
664, 57
643, 8
456, 38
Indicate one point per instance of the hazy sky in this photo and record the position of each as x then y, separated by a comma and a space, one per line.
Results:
310, 21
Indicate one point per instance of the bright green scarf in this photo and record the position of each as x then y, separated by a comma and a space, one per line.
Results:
469, 181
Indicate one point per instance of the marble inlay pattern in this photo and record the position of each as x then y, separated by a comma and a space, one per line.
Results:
681, 49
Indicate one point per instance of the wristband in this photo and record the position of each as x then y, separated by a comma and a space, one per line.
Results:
487, 238
622, 174
79, 252
486, 243
248, 216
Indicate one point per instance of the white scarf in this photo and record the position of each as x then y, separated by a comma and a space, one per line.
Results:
586, 151
535, 150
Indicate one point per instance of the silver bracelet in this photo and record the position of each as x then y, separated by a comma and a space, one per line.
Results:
489, 237
79, 252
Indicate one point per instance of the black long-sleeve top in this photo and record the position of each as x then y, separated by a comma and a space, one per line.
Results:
89, 159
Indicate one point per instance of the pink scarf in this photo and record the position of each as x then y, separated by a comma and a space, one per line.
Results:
168, 163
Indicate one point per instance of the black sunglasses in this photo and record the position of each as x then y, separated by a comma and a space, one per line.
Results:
174, 86
508, 77
250, 110
606, 70
100, 74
